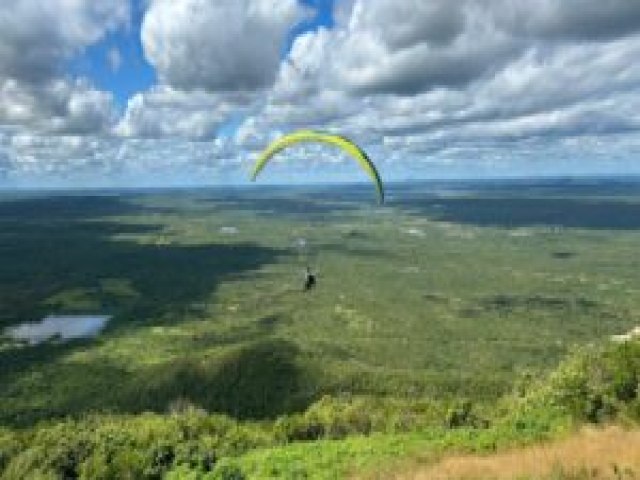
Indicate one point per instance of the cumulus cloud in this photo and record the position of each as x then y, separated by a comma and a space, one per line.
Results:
461, 85
385, 46
166, 112
35, 156
100, 161
222, 45
415, 78
35, 36
214, 61
58, 106
567, 19
535, 83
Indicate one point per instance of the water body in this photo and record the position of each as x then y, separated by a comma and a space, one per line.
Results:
66, 327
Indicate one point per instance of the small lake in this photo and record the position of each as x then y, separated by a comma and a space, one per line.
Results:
64, 327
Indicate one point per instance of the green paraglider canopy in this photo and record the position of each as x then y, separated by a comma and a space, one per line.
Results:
339, 141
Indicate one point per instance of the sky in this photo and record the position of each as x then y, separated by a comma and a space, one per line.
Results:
142, 93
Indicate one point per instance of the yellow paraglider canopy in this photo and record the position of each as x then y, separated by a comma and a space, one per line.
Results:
344, 143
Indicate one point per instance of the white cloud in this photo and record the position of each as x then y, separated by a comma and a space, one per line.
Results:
461, 85
36, 35
222, 45
408, 47
567, 19
36, 38
534, 84
93, 161
166, 112
414, 79
60, 105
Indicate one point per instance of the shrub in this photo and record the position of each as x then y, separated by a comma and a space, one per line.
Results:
593, 384
228, 472
327, 418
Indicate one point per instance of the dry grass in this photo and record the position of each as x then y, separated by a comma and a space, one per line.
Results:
590, 454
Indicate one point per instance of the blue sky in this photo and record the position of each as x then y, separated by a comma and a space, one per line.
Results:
132, 92
321, 16
133, 74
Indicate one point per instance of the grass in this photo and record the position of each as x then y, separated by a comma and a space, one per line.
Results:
590, 454
376, 456
326, 459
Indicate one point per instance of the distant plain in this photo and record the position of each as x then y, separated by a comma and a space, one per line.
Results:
450, 290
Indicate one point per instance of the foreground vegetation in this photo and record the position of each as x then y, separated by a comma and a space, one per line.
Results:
433, 321
333, 437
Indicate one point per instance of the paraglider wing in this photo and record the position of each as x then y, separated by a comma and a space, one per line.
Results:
314, 136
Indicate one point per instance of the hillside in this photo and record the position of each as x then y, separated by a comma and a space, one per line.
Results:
333, 438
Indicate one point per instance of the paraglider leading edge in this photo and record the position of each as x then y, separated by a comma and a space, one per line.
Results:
314, 136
